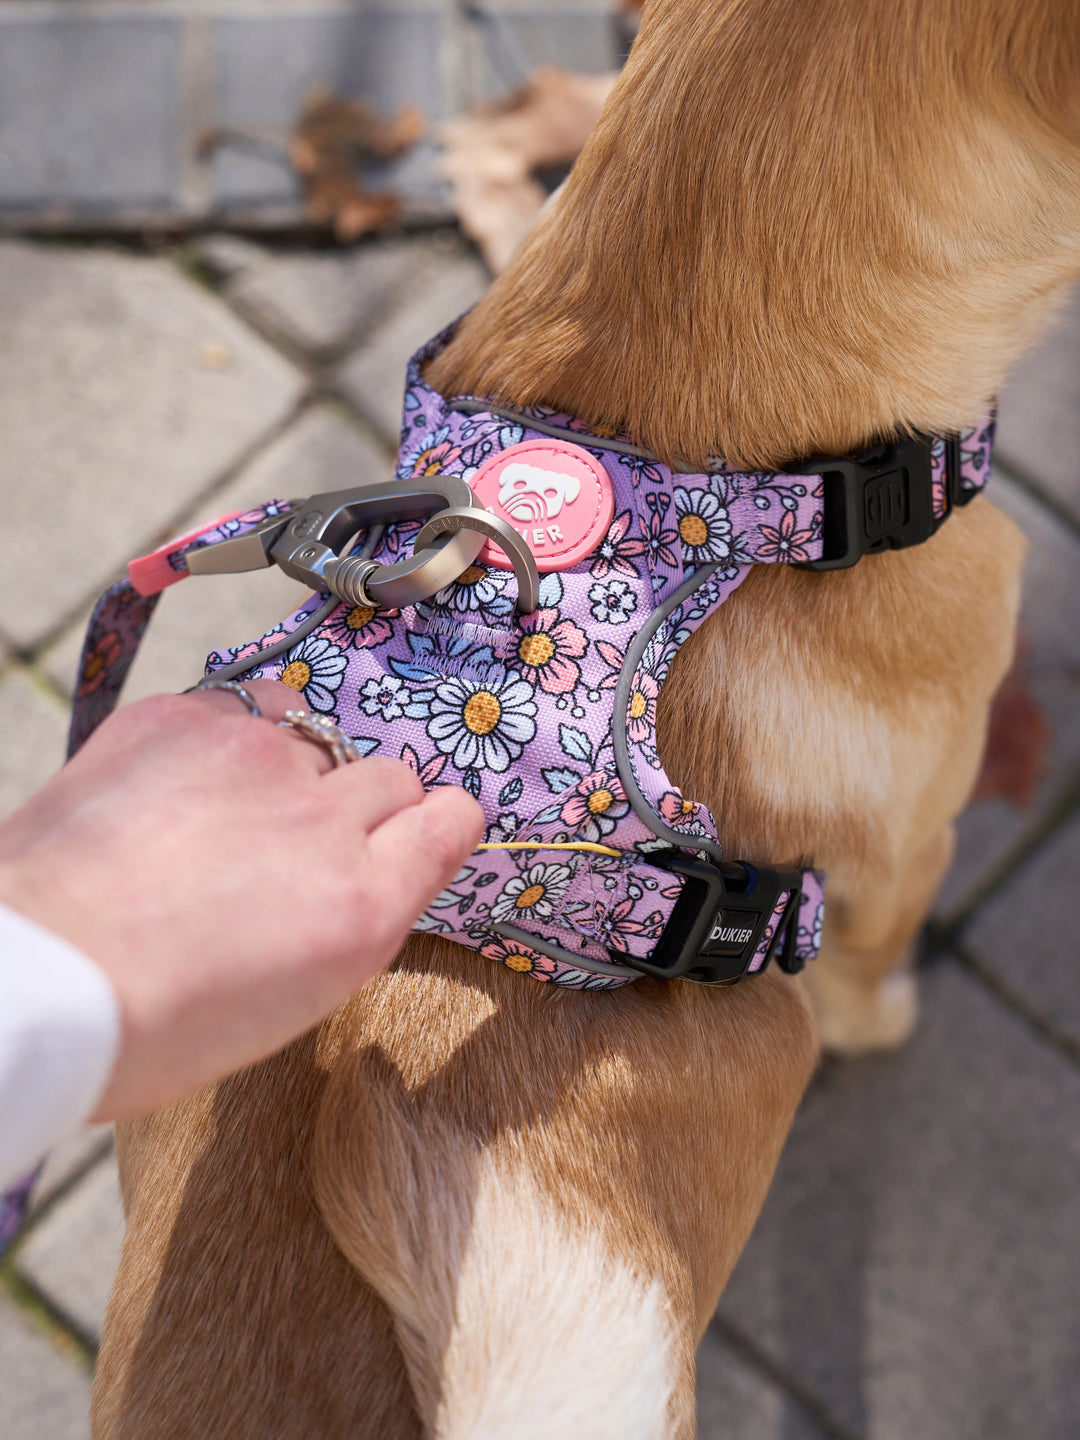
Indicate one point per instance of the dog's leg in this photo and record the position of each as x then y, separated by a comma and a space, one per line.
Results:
234, 1316
549, 1190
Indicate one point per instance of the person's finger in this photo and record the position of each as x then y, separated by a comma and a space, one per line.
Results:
375, 789
420, 850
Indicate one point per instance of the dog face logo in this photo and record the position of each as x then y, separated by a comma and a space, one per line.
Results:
556, 495
529, 494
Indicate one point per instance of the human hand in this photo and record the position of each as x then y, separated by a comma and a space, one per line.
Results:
232, 886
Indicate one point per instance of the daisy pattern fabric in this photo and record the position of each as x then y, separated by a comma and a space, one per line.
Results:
518, 709
547, 718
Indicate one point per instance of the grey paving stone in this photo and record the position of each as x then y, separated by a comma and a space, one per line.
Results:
1026, 934
266, 64
511, 40
917, 1263
88, 109
320, 302
1039, 424
990, 831
374, 376
68, 1159
124, 392
44, 1393
226, 255
72, 1254
33, 734
319, 452
735, 1401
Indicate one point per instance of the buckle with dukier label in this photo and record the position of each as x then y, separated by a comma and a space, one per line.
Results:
720, 920
879, 500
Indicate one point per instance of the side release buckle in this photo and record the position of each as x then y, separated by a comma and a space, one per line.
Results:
879, 500
719, 920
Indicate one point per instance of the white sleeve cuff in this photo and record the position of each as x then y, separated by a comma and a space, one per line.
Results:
59, 1034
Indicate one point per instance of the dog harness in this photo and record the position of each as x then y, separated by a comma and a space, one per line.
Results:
528, 672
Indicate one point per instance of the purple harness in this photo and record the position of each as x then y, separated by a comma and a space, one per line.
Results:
595, 869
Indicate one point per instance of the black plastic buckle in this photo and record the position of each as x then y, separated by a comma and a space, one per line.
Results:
714, 931
879, 500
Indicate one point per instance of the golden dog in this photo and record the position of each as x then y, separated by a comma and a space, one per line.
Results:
471, 1205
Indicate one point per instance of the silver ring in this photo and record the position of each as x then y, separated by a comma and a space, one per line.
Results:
456, 518
233, 688
323, 732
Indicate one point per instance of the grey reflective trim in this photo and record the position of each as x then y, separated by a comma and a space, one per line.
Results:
556, 952
557, 432
618, 720
255, 662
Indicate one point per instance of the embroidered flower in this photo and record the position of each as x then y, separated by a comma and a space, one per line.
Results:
433, 453
615, 551
477, 588
485, 724
612, 926
385, 696
675, 809
659, 539
359, 628
704, 527
595, 808
315, 668
641, 710
643, 469
104, 653
681, 814
614, 602
521, 958
548, 649
533, 894
786, 543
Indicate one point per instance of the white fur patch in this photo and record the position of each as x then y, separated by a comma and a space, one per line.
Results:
553, 1335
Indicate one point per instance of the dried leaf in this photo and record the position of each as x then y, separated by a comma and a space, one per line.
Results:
1016, 745
492, 157
331, 139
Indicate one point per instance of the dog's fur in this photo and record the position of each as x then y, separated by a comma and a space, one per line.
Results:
472, 1205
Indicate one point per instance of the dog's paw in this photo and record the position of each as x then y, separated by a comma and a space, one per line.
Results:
855, 1018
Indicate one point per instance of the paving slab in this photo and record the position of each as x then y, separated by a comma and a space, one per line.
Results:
267, 63
1026, 934
44, 1392
67, 1162
1039, 424
71, 1255
992, 830
320, 451
125, 392
33, 737
507, 41
88, 111
917, 1263
737, 1403
320, 303
373, 377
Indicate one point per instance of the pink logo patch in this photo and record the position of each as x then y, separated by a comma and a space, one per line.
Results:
556, 496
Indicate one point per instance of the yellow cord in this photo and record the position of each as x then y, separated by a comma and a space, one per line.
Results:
566, 845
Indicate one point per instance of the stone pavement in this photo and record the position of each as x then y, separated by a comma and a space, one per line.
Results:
916, 1271
104, 103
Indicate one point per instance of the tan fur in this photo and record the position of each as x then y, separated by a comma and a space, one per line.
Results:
795, 226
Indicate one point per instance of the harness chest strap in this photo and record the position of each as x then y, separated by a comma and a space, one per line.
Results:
598, 868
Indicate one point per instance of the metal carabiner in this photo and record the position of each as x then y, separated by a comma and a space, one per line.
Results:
306, 542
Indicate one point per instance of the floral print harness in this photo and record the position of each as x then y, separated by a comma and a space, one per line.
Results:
595, 868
